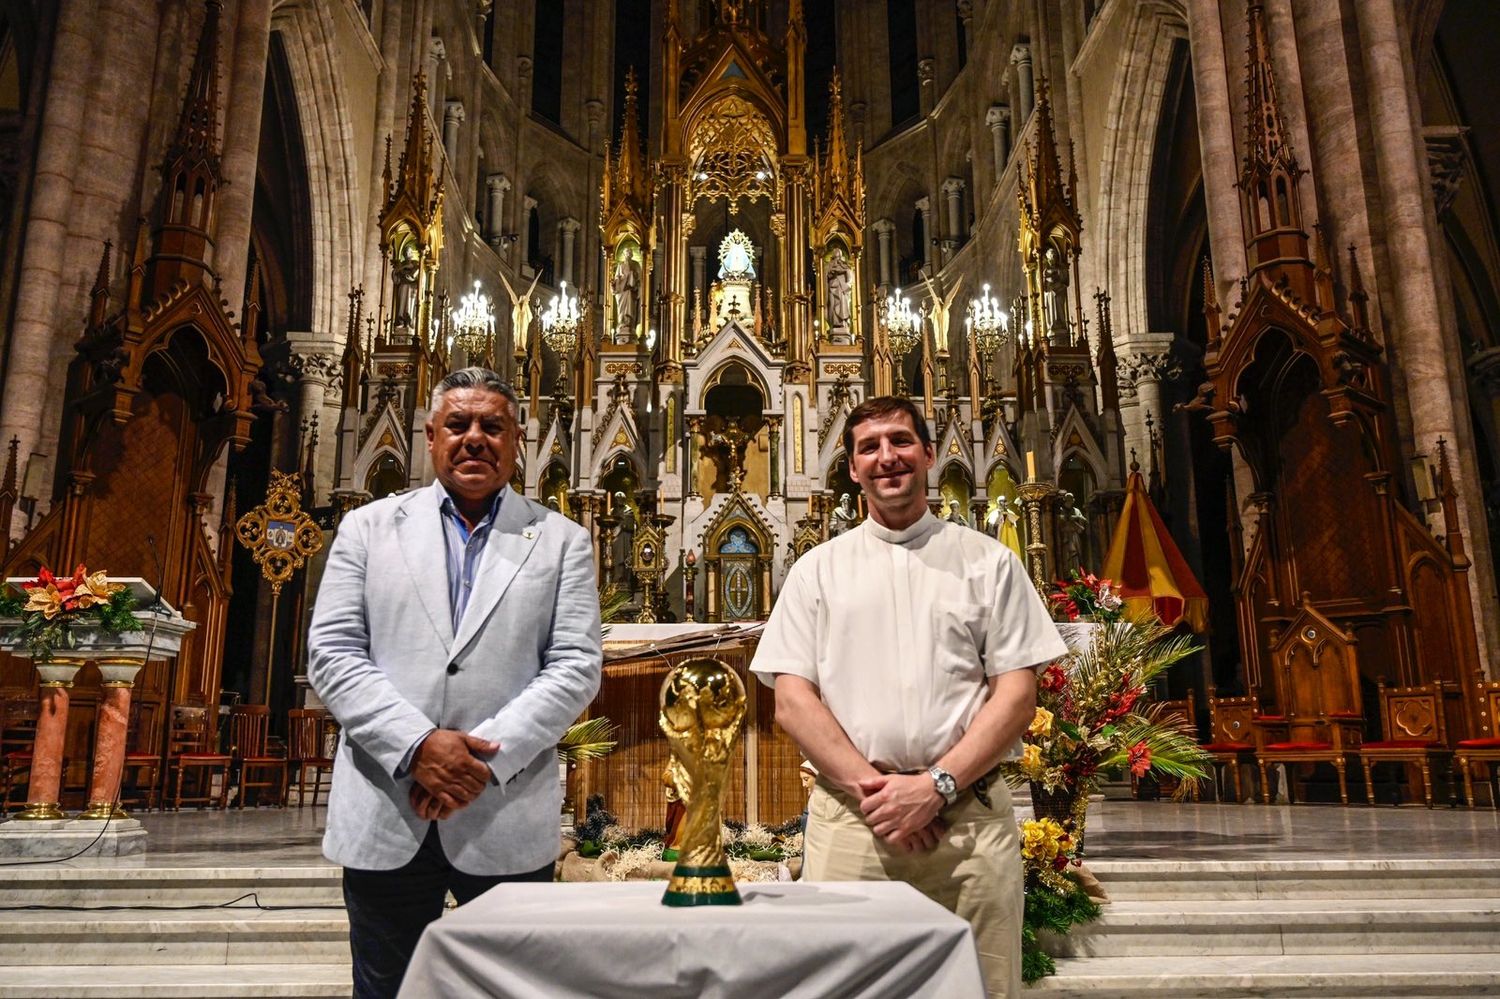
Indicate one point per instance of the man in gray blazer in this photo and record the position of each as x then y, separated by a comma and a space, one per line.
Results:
455, 638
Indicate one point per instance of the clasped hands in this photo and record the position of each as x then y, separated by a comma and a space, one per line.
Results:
448, 772
902, 809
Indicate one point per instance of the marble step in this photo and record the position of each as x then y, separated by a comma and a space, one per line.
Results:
1187, 927
235, 936
176, 981
85, 885
1301, 976
1320, 879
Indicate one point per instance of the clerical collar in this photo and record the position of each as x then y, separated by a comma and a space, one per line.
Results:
907, 534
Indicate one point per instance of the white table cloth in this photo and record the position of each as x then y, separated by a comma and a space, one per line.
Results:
873, 940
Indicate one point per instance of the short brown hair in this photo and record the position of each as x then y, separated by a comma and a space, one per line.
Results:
882, 406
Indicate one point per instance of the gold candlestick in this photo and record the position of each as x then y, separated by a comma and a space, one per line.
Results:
702, 707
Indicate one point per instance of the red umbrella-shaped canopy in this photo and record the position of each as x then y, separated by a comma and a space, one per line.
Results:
1147, 568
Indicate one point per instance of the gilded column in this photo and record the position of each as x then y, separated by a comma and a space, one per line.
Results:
774, 423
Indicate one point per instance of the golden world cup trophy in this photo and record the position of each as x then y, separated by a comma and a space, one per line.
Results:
702, 706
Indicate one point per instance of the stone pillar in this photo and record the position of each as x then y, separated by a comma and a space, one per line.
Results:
998, 119
236, 198
1147, 365
110, 732
1020, 57
775, 453
567, 230
495, 186
453, 116
523, 228
926, 77
436, 57
690, 470
699, 257
953, 190
924, 205
885, 234
32, 337
44, 790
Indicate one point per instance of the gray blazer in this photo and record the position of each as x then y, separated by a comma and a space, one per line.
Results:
383, 657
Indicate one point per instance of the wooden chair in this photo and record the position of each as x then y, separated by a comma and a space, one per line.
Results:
1483, 751
249, 730
1231, 737
307, 749
1185, 711
1317, 690
193, 746
17, 737
1411, 719
141, 779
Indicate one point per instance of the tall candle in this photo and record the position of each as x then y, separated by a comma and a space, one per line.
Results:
1030, 466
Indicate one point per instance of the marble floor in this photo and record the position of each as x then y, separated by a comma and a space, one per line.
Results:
1117, 831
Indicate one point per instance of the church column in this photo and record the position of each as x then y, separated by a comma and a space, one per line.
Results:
495, 186
885, 233
1148, 364
568, 230
794, 293
953, 190
236, 198
998, 119
699, 257
774, 422
924, 205
670, 279
926, 77
453, 116
1020, 57
690, 469
524, 229
41, 274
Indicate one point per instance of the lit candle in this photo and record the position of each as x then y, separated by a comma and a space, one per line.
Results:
1030, 466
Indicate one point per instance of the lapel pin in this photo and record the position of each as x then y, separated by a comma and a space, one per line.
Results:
529, 533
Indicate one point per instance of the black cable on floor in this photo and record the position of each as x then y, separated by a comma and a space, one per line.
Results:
63, 860
204, 907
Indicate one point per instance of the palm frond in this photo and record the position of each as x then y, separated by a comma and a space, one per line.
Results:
612, 604
590, 739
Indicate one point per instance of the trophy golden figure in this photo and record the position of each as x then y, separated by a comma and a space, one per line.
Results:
702, 706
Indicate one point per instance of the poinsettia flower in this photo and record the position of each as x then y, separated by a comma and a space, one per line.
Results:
1053, 679
97, 588
48, 601
1140, 759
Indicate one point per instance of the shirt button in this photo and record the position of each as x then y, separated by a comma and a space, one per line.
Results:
453, 669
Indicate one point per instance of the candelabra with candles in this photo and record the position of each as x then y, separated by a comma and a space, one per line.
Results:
561, 321
988, 325
473, 324
903, 330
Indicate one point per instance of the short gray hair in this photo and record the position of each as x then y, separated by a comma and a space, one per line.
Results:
476, 377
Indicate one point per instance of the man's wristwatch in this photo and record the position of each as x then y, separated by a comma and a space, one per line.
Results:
945, 784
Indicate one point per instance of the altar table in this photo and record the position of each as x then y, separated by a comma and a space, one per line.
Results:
615, 940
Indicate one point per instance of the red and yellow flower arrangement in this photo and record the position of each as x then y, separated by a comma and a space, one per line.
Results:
50, 609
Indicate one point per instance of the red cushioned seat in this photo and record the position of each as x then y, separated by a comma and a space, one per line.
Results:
1402, 744
1275, 746
1270, 718
1479, 744
1227, 747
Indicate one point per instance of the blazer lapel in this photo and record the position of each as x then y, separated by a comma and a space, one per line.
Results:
419, 527
511, 539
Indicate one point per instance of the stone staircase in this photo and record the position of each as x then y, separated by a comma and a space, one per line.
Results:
1325, 928
120, 932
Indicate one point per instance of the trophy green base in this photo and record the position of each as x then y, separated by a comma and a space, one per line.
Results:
712, 885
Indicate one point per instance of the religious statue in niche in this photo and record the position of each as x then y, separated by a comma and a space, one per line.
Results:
955, 515
1074, 523
839, 281
626, 285
1055, 295
405, 274
731, 443
844, 516
735, 257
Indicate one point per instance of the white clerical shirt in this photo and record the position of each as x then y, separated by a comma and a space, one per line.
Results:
899, 629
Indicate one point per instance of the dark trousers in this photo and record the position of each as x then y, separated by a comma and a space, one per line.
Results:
388, 910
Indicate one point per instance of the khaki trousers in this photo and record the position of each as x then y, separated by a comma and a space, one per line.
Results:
974, 872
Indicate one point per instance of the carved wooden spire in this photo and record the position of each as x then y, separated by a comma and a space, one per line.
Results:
1213, 317
1105, 360
1270, 205
190, 176
99, 296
